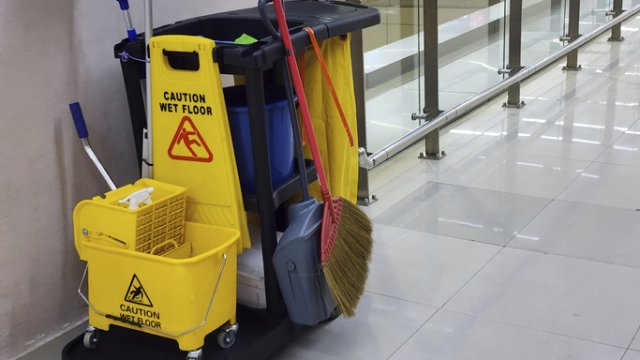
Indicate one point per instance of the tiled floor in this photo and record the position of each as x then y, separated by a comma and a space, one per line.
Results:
522, 243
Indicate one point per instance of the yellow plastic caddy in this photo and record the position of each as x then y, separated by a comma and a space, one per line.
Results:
154, 228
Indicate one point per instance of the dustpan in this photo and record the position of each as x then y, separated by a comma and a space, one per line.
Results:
296, 259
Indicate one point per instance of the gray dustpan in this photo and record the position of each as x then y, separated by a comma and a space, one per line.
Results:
296, 259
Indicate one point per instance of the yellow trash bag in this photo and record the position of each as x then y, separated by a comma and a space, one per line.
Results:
340, 159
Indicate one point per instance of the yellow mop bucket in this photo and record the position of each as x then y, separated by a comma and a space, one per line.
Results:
147, 216
192, 144
183, 295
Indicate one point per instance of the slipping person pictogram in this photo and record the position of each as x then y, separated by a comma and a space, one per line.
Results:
189, 144
185, 138
136, 293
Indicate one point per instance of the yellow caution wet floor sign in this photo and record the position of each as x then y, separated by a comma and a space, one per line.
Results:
191, 139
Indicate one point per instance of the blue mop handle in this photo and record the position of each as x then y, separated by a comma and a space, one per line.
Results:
124, 4
83, 133
132, 35
78, 120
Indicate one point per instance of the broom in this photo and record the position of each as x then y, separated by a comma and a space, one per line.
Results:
346, 240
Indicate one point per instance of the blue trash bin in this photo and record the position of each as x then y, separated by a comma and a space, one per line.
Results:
279, 135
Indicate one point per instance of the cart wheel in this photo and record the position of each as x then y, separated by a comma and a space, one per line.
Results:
226, 338
91, 338
334, 314
195, 355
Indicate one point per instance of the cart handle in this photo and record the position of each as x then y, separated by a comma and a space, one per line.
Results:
204, 320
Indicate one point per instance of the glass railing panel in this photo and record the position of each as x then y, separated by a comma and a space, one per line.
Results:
391, 65
471, 53
472, 48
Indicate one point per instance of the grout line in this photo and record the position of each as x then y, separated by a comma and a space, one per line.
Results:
630, 343
401, 299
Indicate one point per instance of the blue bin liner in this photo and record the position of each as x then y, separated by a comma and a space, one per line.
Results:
279, 135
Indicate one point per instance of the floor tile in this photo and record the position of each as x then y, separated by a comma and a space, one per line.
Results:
453, 336
606, 184
53, 348
578, 298
466, 213
403, 167
517, 173
631, 355
584, 231
380, 326
414, 266
392, 192
550, 135
626, 150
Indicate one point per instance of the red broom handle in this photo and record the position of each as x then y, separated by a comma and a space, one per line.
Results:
302, 99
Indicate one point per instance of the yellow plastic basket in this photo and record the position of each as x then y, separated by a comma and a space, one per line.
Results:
183, 295
154, 228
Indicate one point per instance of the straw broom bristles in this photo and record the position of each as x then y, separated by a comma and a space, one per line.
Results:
348, 255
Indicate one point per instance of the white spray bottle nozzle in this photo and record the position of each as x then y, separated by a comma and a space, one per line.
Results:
139, 197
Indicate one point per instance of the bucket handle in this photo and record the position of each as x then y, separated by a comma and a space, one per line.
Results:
170, 241
204, 320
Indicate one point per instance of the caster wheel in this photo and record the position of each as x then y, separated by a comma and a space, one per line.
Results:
91, 339
334, 315
226, 338
195, 355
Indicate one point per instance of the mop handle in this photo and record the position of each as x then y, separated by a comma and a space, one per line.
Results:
83, 134
132, 34
78, 120
302, 99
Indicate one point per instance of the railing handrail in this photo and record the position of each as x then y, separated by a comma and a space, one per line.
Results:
445, 118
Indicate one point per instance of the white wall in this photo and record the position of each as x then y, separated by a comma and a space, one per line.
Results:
52, 53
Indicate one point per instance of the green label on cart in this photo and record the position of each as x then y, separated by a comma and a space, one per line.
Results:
136, 294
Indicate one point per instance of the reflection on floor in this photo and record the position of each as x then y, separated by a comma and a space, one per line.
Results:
522, 243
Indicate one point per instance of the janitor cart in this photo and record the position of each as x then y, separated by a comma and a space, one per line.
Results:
262, 331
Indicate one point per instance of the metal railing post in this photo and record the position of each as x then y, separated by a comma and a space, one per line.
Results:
573, 34
431, 82
515, 52
357, 66
616, 31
